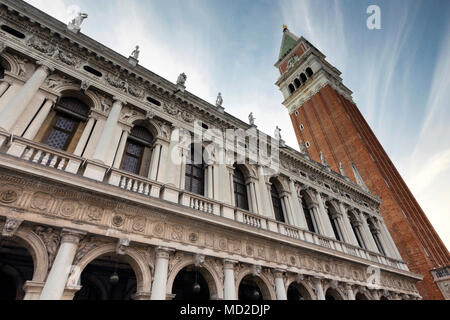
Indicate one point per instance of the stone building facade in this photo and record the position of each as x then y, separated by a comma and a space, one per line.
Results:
100, 200
329, 124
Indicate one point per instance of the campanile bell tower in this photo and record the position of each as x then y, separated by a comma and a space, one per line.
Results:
330, 127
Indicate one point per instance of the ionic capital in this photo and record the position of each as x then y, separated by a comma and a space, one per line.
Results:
278, 273
163, 252
45, 66
71, 236
120, 100
229, 264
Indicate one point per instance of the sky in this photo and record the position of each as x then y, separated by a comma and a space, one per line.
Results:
399, 74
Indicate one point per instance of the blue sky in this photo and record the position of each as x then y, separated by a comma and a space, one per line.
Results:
399, 74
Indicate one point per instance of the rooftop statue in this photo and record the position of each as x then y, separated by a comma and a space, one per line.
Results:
219, 101
251, 119
75, 24
135, 53
182, 79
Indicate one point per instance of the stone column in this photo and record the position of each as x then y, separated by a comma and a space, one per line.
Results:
266, 204
164, 161
390, 241
317, 283
59, 273
279, 284
105, 141
174, 159
13, 110
39, 119
229, 286
298, 215
154, 165
251, 195
209, 179
84, 137
349, 291
324, 217
160, 281
121, 149
350, 235
3, 87
367, 235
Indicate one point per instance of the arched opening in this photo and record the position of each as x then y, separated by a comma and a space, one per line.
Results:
137, 155
3, 68
376, 236
16, 267
291, 88
109, 277
334, 219
332, 295
383, 298
249, 289
309, 72
297, 83
303, 78
277, 201
64, 125
360, 296
195, 171
309, 214
240, 189
297, 291
356, 227
190, 284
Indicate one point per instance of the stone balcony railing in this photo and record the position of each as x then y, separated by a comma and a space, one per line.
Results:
43, 155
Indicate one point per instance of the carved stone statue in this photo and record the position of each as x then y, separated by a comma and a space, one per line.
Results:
182, 79
341, 168
322, 159
135, 53
277, 133
75, 24
302, 147
251, 119
10, 227
219, 100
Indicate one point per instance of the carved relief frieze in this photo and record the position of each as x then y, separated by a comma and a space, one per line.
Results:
130, 219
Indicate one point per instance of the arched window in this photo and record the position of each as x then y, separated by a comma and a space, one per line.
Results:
376, 237
309, 72
357, 231
240, 189
137, 154
291, 88
195, 171
303, 78
277, 207
334, 224
70, 112
297, 83
309, 216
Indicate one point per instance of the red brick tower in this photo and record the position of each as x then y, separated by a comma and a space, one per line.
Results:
326, 119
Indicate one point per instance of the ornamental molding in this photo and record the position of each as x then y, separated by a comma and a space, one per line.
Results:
157, 227
60, 52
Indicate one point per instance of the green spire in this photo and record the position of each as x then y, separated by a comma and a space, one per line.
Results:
288, 42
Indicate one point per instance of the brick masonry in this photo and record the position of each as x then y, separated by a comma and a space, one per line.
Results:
335, 126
